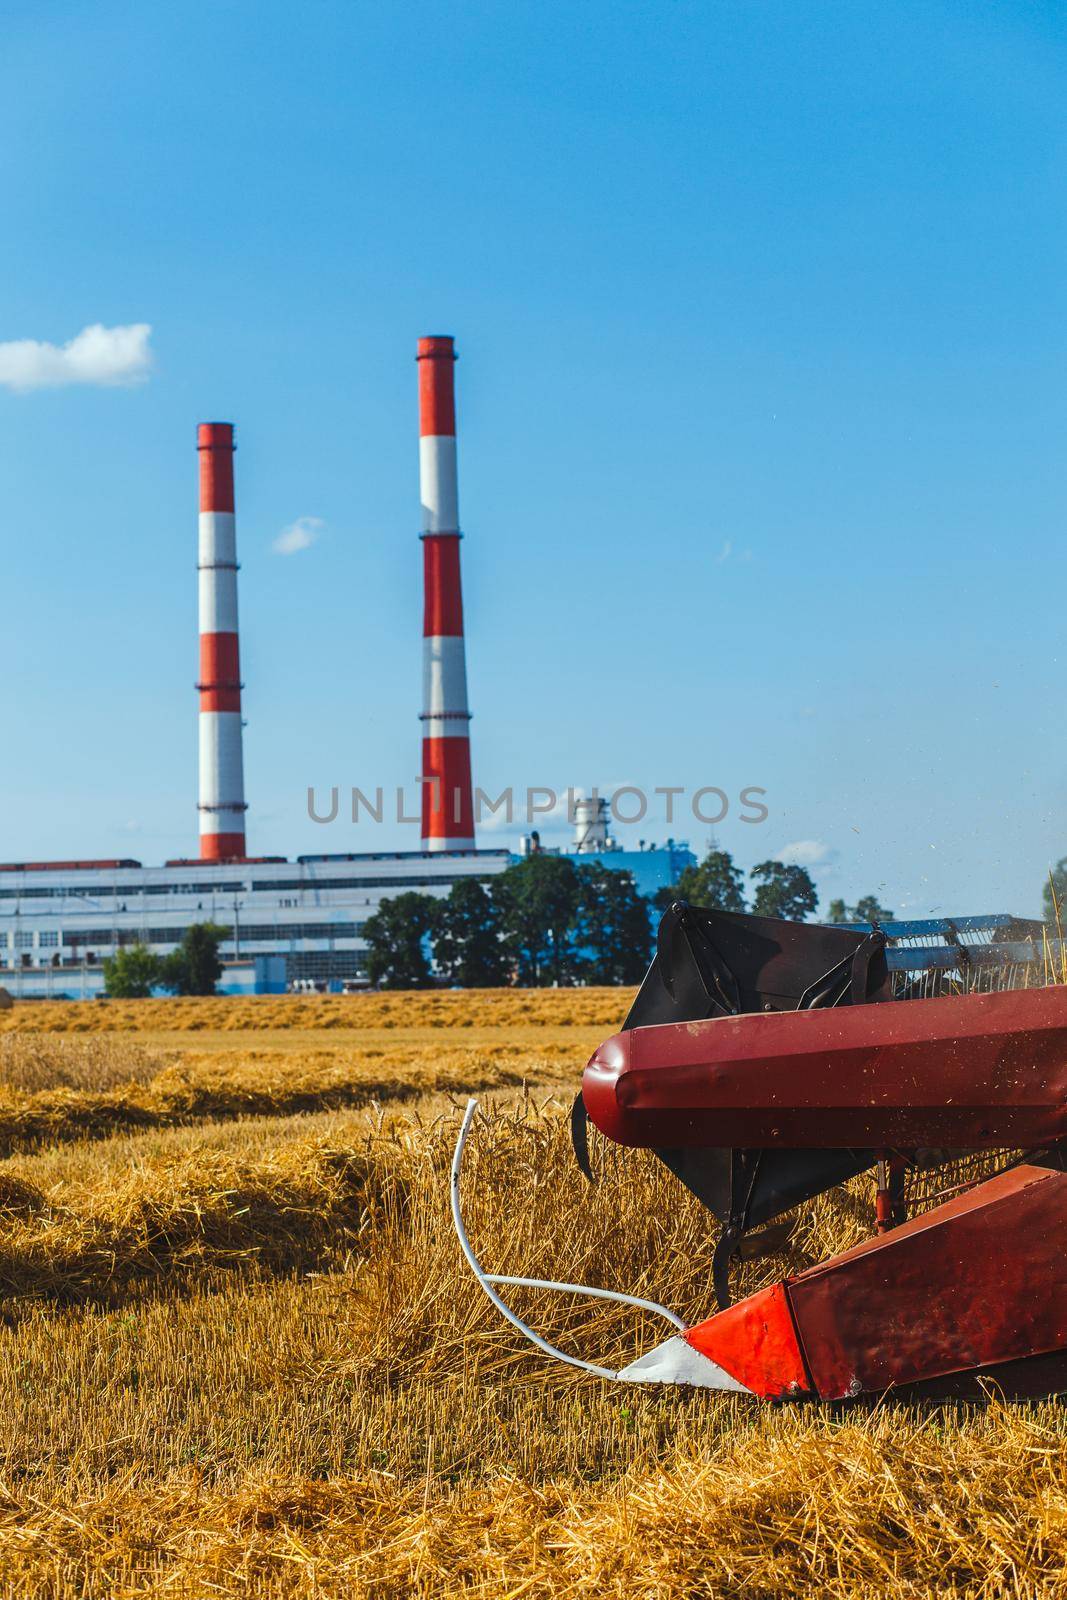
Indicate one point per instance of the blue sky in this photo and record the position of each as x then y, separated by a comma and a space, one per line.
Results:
763, 424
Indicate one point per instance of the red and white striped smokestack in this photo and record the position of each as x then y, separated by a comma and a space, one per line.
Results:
447, 802
222, 784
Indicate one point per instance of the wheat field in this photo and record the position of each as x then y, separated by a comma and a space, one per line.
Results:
240, 1353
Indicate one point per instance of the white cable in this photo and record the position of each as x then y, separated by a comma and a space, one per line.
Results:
596, 1294
486, 1279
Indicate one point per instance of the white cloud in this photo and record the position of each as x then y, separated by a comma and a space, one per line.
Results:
547, 821
806, 853
730, 553
298, 535
491, 821
97, 355
555, 819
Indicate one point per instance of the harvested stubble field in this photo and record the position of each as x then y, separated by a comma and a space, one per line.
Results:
240, 1354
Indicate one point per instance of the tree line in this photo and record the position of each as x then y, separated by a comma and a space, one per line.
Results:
552, 920
193, 968
545, 920
780, 889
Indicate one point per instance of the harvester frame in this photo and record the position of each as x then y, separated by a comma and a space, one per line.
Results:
765, 1062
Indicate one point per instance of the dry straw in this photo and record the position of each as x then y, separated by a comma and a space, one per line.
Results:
241, 1355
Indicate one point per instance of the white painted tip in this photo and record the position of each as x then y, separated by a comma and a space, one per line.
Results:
675, 1361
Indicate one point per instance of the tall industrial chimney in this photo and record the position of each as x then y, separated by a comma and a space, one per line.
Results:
222, 784
447, 803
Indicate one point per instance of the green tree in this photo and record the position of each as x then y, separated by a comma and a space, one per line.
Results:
195, 968
714, 883
538, 897
866, 910
612, 931
1055, 884
397, 936
132, 973
468, 943
869, 910
783, 891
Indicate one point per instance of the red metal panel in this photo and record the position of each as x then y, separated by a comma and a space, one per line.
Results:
980, 1069
63, 866
443, 606
980, 1280
447, 805
437, 403
215, 444
247, 861
756, 1343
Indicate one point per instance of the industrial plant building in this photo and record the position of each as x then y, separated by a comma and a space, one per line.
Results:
288, 923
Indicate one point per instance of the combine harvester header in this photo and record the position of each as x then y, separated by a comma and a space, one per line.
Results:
766, 1062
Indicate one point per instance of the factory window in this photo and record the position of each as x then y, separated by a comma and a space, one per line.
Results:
301, 930
247, 931
416, 880
206, 888
24, 939
49, 938
110, 891
203, 886
326, 964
